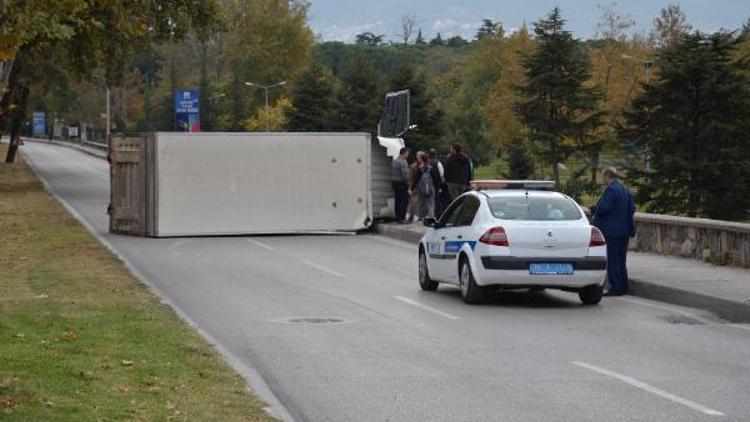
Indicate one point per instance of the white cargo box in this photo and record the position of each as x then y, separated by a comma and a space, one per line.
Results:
188, 184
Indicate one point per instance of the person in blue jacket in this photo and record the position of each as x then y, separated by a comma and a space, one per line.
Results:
613, 215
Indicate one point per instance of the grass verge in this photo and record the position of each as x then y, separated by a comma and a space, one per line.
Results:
82, 339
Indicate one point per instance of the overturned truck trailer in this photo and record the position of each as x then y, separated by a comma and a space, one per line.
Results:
202, 184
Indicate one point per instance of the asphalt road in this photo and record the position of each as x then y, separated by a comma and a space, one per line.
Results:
338, 329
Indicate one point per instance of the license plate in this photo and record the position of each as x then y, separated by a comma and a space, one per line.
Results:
550, 269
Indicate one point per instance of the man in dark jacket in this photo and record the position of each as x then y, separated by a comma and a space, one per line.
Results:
457, 171
613, 215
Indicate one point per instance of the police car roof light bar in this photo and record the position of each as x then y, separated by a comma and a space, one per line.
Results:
512, 184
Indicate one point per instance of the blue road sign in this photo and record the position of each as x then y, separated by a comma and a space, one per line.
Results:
187, 111
39, 123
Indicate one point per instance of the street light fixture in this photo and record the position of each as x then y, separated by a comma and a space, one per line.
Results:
265, 88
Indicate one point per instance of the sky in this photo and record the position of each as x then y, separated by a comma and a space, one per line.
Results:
341, 20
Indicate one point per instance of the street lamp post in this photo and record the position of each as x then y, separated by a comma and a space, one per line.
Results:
266, 88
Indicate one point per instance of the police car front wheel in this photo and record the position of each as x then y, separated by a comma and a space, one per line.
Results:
424, 274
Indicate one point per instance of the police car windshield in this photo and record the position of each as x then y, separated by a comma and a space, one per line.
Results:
534, 208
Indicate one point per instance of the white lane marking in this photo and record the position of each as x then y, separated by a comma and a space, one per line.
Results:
425, 307
324, 269
261, 244
393, 242
648, 388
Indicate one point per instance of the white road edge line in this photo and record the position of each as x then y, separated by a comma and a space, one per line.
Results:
324, 269
426, 308
253, 376
261, 244
648, 388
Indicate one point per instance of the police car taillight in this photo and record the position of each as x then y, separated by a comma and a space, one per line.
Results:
597, 239
495, 236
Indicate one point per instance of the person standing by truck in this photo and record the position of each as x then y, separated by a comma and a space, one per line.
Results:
425, 185
400, 183
457, 171
440, 187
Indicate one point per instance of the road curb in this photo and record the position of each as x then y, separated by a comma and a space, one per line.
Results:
729, 310
90, 151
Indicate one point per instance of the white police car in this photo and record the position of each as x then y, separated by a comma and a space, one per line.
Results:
514, 235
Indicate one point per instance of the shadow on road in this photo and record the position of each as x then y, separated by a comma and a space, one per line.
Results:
521, 298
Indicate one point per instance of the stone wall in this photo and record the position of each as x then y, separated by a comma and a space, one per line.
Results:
718, 242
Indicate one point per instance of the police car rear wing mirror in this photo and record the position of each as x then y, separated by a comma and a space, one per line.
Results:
512, 184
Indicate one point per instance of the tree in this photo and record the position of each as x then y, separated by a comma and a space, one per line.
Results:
456, 41
555, 104
488, 28
670, 26
271, 119
312, 101
438, 40
408, 27
420, 39
84, 30
424, 110
269, 42
520, 165
368, 38
693, 124
613, 57
359, 100
505, 128
467, 106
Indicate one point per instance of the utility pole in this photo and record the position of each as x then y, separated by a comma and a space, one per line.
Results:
109, 128
265, 88
109, 124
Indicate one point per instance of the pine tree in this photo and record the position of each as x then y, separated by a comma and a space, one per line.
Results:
420, 39
423, 109
489, 28
555, 104
313, 101
438, 40
519, 163
359, 100
693, 124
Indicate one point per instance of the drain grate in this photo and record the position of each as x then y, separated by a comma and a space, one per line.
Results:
315, 320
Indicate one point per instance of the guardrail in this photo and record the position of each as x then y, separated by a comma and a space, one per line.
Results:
715, 241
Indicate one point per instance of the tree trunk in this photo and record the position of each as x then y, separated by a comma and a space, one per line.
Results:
15, 129
13, 106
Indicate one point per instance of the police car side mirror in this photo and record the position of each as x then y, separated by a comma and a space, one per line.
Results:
431, 222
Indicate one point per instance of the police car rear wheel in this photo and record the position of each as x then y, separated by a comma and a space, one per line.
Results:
470, 292
591, 295
424, 274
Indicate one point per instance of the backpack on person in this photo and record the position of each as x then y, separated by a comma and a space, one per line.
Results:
426, 185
